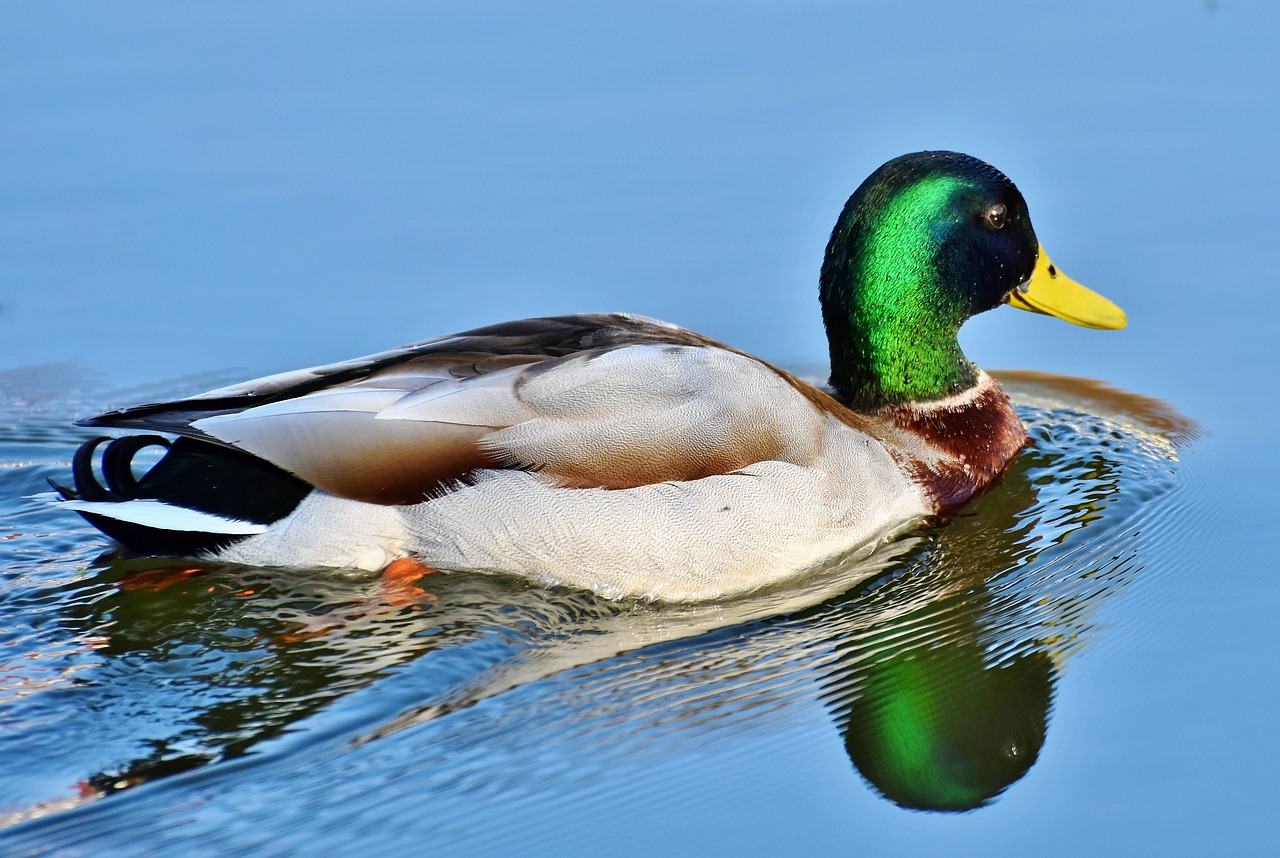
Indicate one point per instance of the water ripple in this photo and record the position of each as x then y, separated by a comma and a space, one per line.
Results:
226, 706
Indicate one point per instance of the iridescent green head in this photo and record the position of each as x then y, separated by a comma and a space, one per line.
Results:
927, 241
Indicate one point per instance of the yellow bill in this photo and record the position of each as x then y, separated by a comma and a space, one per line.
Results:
1053, 293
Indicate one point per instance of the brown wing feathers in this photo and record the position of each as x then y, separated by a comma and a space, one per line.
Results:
392, 461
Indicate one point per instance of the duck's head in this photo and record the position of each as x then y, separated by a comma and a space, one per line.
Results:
927, 241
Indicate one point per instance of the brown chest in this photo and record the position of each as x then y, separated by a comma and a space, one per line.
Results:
956, 448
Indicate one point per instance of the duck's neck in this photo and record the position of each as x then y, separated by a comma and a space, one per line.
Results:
891, 316
887, 358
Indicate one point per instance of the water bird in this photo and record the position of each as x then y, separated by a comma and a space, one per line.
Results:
613, 452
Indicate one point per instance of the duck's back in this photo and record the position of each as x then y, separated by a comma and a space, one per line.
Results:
568, 448
592, 401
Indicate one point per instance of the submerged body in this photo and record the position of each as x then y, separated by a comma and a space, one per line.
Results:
613, 452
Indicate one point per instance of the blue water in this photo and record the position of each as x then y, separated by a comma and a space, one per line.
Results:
193, 195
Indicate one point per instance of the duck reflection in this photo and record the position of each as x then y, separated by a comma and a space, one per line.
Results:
945, 730
938, 656
945, 701
946, 704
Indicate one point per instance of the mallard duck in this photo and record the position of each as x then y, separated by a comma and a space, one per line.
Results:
614, 452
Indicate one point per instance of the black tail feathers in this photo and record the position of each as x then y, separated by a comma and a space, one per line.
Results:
194, 474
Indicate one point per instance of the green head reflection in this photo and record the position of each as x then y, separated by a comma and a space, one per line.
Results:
940, 728
948, 697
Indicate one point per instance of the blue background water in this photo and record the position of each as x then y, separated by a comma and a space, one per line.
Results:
202, 192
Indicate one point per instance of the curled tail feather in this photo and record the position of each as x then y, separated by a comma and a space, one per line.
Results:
212, 488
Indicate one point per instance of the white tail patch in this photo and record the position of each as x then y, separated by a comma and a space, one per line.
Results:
163, 516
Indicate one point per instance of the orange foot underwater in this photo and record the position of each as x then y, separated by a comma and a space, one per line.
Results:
397, 587
159, 579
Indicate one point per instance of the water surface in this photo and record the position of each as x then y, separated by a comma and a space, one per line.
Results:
170, 702
196, 195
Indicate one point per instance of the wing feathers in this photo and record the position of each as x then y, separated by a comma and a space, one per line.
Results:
603, 401
353, 454
480, 400
651, 413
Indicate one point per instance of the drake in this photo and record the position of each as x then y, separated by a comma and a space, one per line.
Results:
613, 452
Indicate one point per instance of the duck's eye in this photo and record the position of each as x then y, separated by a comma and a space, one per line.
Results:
996, 216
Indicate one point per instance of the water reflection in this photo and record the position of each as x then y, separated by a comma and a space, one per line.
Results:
946, 704
946, 701
938, 656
